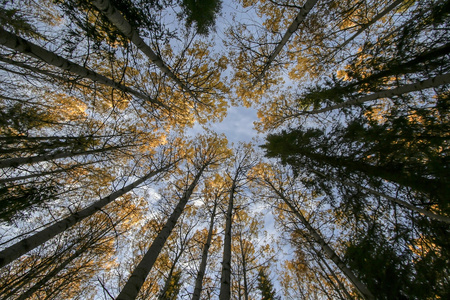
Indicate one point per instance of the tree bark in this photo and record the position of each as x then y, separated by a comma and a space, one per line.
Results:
244, 268
15, 251
287, 35
225, 280
119, 21
21, 45
360, 286
407, 88
137, 278
33, 175
18, 161
202, 268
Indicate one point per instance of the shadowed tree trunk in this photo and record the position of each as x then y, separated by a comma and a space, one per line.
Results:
15, 162
360, 286
225, 280
407, 88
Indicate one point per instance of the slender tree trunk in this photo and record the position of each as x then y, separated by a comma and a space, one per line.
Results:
413, 65
202, 268
106, 7
327, 278
360, 286
15, 251
407, 88
287, 35
137, 278
33, 175
51, 274
15, 162
422, 211
225, 280
370, 23
162, 296
19, 138
244, 269
341, 285
19, 44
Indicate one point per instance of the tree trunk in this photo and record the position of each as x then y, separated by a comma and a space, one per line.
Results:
69, 168
51, 274
225, 280
119, 21
18, 161
15, 251
341, 285
162, 296
370, 23
330, 281
291, 29
407, 88
361, 287
428, 186
19, 44
202, 268
244, 268
137, 278
395, 200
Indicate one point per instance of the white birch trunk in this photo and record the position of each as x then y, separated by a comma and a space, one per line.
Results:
114, 16
137, 278
19, 44
20, 248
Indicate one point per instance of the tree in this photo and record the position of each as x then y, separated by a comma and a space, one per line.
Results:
291, 29
265, 286
278, 184
241, 164
209, 152
294, 148
202, 14
214, 190
17, 43
13, 252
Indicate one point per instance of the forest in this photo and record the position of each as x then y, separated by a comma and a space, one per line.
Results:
114, 183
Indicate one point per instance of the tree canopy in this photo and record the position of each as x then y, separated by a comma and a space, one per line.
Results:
114, 183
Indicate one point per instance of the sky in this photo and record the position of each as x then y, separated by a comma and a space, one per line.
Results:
238, 124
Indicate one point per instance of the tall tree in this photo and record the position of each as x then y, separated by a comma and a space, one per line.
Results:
215, 191
19, 44
14, 251
210, 151
278, 184
243, 161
